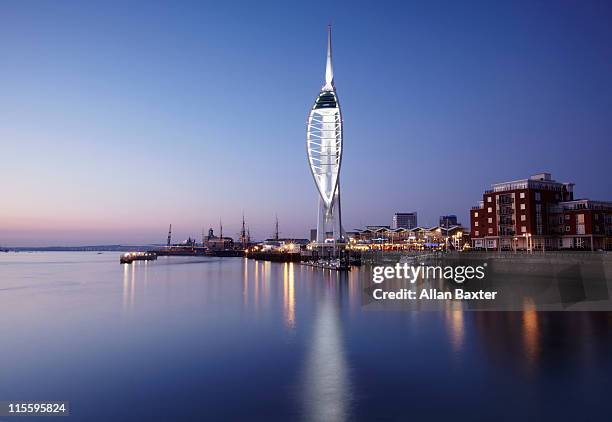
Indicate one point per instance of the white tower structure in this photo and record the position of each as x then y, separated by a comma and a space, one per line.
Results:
324, 147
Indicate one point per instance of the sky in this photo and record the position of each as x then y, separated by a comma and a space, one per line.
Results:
119, 118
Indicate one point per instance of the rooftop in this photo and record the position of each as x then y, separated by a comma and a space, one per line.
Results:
585, 203
542, 181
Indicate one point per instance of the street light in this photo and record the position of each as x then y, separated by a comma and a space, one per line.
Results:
529, 249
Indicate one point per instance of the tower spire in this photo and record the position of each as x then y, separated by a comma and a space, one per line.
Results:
329, 70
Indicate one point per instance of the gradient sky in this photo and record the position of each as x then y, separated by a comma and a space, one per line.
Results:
118, 119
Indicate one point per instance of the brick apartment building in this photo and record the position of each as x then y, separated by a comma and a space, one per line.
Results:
539, 213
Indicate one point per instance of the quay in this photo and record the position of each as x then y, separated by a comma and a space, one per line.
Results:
328, 264
335, 258
275, 256
197, 251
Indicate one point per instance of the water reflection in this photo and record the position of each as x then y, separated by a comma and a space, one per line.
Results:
256, 284
245, 281
129, 285
126, 281
344, 359
327, 389
531, 332
456, 329
132, 286
132, 272
289, 295
266, 283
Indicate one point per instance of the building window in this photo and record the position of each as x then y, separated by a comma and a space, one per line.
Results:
538, 196
567, 228
596, 217
477, 233
489, 199
489, 220
490, 230
566, 217
522, 206
475, 223
476, 214
489, 209
523, 217
523, 229
522, 195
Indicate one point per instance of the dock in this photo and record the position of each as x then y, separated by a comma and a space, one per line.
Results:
197, 251
328, 264
337, 262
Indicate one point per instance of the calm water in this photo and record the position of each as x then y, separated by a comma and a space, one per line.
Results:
218, 339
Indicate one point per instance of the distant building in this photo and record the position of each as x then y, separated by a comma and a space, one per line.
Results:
404, 220
218, 243
448, 220
313, 235
539, 213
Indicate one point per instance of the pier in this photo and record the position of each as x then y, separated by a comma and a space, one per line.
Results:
327, 256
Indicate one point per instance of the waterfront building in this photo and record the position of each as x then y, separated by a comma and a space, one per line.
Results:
584, 223
417, 238
324, 150
377, 227
404, 220
539, 213
218, 243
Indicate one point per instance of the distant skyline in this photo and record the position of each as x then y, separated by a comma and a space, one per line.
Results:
117, 119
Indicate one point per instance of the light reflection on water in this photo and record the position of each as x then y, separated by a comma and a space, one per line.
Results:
193, 330
288, 294
530, 333
327, 386
454, 323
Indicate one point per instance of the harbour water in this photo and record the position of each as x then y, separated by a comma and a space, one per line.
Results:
188, 338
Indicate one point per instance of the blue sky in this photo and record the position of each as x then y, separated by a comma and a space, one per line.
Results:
118, 119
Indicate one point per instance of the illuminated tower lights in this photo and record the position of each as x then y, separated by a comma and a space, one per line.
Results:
324, 148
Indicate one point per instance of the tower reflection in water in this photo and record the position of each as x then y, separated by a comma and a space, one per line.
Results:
327, 389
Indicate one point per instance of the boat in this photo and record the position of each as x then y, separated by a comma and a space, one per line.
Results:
329, 264
129, 257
